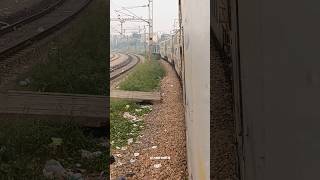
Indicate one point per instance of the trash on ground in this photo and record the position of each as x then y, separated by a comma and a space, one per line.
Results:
146, 107
118, 155
157, 165
127, 115
130, 141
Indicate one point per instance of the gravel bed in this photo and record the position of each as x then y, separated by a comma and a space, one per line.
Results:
222, 130
164, 137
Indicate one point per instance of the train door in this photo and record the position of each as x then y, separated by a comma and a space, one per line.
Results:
178, 55
172, 48
234, 50
169, 50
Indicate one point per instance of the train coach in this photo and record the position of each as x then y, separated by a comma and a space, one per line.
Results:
269, 60
177, 58
162, 49
166, 50
276, 83
188, 51
155, 50
171, 51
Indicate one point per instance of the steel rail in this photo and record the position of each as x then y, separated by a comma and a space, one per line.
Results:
125, 67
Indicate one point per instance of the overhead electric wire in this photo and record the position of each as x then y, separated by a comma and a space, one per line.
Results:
118, 11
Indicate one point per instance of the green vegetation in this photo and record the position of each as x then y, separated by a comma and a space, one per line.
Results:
26, 145
126, 117
146, 77
77, 60
121, 128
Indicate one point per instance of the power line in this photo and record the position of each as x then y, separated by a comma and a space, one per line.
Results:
136, 18
130, 12
136, 6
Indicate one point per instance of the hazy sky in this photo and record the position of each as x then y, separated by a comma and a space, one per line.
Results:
164, 13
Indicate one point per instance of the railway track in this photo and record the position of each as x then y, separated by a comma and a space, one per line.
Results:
36, 27
121, 68
11, 27
119, 61
114, 57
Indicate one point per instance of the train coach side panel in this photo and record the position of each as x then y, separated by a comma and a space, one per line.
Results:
196, 26
176, 55
169, 50
162, 49
280, 70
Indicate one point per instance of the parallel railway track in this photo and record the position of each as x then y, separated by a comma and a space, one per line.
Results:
120, 61
121, 68
36, 27
114, 57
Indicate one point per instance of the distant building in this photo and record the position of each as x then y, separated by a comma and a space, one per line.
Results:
164, 37
136, 35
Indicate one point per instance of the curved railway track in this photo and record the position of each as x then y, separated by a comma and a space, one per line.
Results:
34, 28
125, 66
119, 61
114, 57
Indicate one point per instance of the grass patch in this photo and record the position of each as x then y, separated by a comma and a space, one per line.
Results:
77, 60
146, 77
122, 129
25, 146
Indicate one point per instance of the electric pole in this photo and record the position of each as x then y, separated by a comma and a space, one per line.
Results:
150, 6
135, 18
145, 40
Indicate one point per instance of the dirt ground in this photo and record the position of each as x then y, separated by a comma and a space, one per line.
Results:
160, 152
